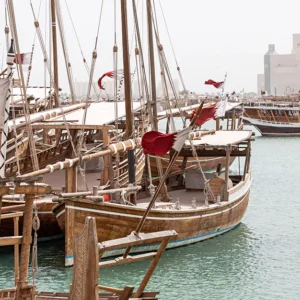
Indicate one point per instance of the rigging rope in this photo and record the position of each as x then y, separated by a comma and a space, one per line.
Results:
94, 58
23, 90
81, 51
65, 50
35, 227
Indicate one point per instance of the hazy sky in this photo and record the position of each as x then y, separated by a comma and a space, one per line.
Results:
210, 38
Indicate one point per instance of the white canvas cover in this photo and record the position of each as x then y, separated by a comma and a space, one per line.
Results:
4, 87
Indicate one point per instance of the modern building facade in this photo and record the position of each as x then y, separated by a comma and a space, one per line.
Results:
281, 71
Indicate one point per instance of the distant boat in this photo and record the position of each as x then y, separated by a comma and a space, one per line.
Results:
277, 117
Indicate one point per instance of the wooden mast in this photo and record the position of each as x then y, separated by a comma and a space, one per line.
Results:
54, 48
164, 193
127, 91
126, 64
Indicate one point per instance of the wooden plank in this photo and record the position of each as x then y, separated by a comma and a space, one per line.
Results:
152, 267
213, 153
93, 259
136, 240
26, 189
16, 249
10, 241
53, 125
110, 289
129, 259
12, 215
127, 292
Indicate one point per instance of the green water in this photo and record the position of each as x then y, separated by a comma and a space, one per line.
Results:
260, 259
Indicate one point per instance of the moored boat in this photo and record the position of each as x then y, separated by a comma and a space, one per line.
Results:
274, 118
195, 214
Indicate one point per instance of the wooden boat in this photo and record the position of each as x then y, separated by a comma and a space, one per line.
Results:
233, 116
88, 254
63, 150
194, 216
274, 118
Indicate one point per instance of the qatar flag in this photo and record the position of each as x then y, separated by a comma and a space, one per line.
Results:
210, 112
23, 58
110, 74
157, 143
217, 85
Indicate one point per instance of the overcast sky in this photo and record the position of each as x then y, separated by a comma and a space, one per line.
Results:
210, 38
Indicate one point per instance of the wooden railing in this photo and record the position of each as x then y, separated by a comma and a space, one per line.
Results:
15, 240
87, 262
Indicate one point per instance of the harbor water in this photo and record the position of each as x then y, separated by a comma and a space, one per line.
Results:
260, 259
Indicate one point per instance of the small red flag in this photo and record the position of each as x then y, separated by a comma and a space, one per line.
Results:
217, 85
210, 112
110, 74
157, 143
23, 58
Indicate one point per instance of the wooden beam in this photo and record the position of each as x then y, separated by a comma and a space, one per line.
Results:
152, 267
136, 240
127, 292
54, 125
213, 153
226, 196
11, 215
10, 241
26, 241
16, 249
110, 289
129, 259
26, 189
105, 172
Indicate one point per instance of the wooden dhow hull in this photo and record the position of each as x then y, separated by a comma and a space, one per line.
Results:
191, 224
271, 128
49, 228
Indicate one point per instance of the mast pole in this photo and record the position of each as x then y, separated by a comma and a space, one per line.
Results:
128, 95
126, 64
152, 66
164, 191
54, 48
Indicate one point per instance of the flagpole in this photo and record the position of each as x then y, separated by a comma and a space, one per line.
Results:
225, 101
163, 179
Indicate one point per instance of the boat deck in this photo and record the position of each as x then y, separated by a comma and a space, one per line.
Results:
185, 200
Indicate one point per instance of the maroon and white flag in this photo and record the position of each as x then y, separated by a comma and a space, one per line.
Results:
110, 74
157, 143
209, 112
217, 85
23, 58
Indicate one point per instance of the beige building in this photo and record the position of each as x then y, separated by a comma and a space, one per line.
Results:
281, 71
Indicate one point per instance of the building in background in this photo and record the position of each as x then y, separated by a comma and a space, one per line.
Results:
281, 71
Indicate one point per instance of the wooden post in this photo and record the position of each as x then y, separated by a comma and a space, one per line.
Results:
71, 179
247, 160
152, 267
26, 241
92, 261
16, 250
227, 174
127, 91
164, 191
54, 45
217, 124
71, 186
106, 160
233, 119
127, 75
